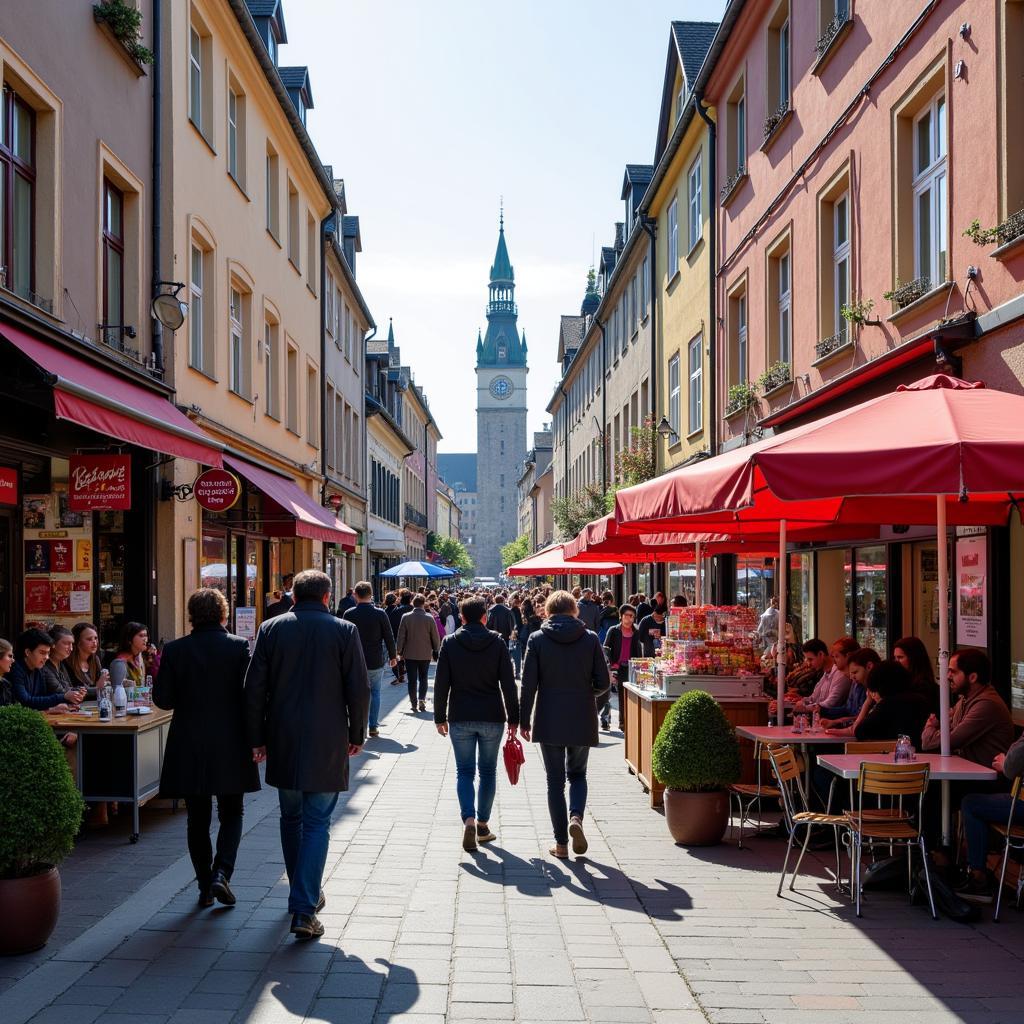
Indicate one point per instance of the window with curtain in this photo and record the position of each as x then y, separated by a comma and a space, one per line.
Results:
17, 194
113, 263
674, 396
929, 185
693, 188
673, 238
695, 393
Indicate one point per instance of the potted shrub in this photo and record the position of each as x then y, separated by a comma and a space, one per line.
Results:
40, 813
696, 755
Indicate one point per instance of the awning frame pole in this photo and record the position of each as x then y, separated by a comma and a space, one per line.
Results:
943, 551
780, 671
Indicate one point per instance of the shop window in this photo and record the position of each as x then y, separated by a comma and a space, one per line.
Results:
921, 186
673, 238
780, 304
739, 362
674, 411
272, 184
236, 132
695, 393
200, 311
865, 579
292, 390
200, 80
294, 226
312, 407
834, 262
695, 205
800, 599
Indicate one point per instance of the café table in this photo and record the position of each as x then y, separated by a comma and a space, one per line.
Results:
120, 760
787, 735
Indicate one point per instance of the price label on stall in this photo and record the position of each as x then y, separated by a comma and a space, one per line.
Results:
217, 490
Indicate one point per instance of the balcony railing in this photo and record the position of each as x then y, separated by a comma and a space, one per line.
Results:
415, 517
827, 346
832, 29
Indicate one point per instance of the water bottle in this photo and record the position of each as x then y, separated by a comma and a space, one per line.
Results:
103, 695
120, 701
902, 753
816, 721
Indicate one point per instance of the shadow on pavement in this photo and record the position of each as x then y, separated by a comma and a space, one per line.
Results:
380, 745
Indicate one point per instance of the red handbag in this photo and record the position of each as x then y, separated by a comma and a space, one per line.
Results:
514, 757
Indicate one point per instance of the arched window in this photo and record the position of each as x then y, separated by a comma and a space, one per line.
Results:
502, 351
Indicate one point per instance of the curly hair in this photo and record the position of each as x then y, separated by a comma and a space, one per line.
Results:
207, 607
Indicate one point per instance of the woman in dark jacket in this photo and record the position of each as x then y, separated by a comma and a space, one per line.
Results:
564, 674
619, 650
201, 677
474, 696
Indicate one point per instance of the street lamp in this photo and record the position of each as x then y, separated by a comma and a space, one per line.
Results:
667, 431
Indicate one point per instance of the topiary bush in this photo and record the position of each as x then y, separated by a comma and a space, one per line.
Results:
696, 749
40, 808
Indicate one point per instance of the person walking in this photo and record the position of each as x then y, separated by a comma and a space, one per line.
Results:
418, 645
564, 675
621, 644
378, 643
347, 602
501, 619
396, 606
518, 640
306, 701
474, 696
201, 680
589, 610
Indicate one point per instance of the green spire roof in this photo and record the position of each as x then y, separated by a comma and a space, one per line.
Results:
501, 269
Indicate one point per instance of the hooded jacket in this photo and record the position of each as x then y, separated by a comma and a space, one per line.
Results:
474, 681
563, 675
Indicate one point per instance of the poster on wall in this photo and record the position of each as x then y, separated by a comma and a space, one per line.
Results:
37, 557
971, 598
245, 625
38, 599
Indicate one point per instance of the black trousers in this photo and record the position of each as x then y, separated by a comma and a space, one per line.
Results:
418, 671
229, 834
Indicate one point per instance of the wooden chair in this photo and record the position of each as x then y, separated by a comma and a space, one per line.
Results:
879, 747
1013, 836
794, 808
747, 794
889, 780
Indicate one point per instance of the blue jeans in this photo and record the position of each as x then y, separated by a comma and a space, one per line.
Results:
476, 751
561, 763
305, 831
979, 810
376, 676
517, 657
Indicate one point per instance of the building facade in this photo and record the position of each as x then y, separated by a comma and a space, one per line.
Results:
459, 471
532, 509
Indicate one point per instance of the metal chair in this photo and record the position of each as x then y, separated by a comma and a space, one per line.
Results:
1013, 836
892, 780
747, 794
794, 808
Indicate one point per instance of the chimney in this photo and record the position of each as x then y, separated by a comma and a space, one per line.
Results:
620, 237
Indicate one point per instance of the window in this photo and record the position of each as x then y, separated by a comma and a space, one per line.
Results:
200, 311
693, 191
780, 302
113, 263
312, 407
294, 227
236, 133
311, 239
739, 360
622, 313
633, 308
673, 239
273, 187
929, 185
674, 416
1013, 114
329, 293
236, 342
645, 271
291, 397
840, 260
200, 81
735, 137
17, 194
271, 368
695, 394
778, 72
330, 423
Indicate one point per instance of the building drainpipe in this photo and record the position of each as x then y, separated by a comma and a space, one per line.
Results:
565, 437
157, 175
650, 226
604, 408
712, 282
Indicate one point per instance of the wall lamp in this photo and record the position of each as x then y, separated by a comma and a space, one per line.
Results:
667, 431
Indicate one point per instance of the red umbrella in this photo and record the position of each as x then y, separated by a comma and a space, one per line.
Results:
940, 450
551, 560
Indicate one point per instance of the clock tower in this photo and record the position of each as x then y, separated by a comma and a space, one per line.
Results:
500, 417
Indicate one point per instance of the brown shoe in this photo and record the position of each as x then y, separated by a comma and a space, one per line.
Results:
469, 837
579, 840
559, 851
484, 833
375, 732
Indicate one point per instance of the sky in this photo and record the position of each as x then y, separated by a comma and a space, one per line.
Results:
432, 112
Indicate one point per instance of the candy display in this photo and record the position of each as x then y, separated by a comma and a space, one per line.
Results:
710, 640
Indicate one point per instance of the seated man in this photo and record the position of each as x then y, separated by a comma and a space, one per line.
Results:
834, 686
27, 681
979, 811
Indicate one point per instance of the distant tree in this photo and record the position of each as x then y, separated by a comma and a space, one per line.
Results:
515, 550
573, 512
451, 552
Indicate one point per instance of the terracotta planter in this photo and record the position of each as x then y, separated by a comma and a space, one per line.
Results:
29, 908
696, 819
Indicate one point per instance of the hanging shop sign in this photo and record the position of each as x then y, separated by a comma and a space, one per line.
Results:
99, 483
8, 486
217, 490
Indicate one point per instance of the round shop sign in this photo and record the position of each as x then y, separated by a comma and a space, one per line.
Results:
217, 490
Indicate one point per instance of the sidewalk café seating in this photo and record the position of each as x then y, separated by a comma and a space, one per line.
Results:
894, 780
747, 794
1013, 836
794, 809
879, 747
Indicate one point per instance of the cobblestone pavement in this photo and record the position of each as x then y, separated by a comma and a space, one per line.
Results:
419, 931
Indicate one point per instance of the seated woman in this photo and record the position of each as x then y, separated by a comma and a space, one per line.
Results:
128, 668
84, 665
56, 678
912, 654
6, 662
897, 710
842, 721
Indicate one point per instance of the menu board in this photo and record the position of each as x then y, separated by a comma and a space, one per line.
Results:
57, 560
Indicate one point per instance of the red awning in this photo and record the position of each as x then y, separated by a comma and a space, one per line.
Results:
552, 560
310, 519
114, 406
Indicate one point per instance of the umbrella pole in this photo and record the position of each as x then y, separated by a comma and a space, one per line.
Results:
940, 537
698, 578
780, 672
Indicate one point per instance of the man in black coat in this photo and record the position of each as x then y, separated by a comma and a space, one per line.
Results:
589, 610
201, 678
348, 601
375, 636
500, 618
395, 611
306, 692
564, 674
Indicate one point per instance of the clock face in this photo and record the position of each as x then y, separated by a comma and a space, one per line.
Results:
501, 388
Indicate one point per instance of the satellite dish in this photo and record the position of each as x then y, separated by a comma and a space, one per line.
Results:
169, 310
